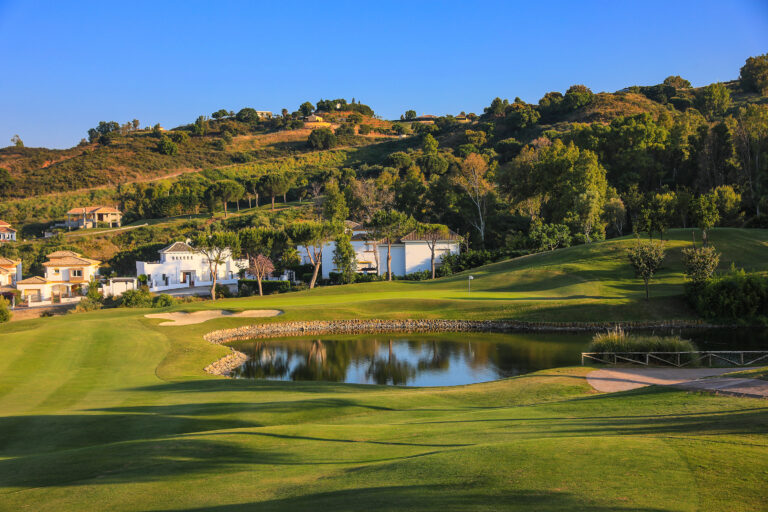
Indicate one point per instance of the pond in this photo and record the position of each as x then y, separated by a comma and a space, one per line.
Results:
445, 359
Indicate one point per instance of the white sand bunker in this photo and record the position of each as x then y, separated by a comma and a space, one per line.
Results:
199, 317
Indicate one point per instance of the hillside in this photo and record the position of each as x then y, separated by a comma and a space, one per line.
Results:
133, 155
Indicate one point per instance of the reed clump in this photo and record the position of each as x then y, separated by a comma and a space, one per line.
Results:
618, 340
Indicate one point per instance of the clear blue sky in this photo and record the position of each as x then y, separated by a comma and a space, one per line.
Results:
64, 66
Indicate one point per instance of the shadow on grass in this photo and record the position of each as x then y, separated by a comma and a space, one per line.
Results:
424, 498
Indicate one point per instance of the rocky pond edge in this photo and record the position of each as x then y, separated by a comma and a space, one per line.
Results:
235, 358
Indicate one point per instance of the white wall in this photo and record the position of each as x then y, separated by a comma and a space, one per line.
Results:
419, 256
197, 264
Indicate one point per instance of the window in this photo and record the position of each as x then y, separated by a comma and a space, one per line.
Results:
55, 271
76, 272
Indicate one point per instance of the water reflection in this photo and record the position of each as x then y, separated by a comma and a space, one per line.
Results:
447, 359
410, 359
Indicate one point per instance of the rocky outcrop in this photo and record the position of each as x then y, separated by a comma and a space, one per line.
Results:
226, 364
275, 330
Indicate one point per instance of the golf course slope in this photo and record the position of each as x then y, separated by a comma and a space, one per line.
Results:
108, 410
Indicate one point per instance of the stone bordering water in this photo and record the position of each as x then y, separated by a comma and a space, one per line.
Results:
226, 364
281, 329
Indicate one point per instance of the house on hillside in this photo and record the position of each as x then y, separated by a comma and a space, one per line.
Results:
180, 266
10, 272
314, 118
410, 253
264, 114
92, 216
67, 275
7, 233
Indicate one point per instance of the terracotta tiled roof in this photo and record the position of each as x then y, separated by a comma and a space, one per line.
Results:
70, 261
5, 262
178, 247
32, 280
62, 254
6, 229
3, 223
352, 224
415, 237
92, 209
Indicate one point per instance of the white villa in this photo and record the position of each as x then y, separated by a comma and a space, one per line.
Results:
180, 266
67, 275
409, 254
10, 272
7, 233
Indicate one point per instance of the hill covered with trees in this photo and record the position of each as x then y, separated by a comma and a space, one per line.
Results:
574, 167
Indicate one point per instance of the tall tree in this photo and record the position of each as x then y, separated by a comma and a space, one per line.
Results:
713, 100
344, 258
229, 190
313, 236
216, 246
275, 184
472, 178
754, 74
389, 226
334, 203
432, 234
751, 136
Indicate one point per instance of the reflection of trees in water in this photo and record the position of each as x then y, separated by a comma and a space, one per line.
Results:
323, 362
439, 357
331, 359
263, 362
390, 370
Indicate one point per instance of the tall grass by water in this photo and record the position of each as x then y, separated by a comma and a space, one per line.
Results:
618, 340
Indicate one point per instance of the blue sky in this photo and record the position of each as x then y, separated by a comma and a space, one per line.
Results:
64, 66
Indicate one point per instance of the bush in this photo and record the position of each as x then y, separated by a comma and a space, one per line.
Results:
453, 263
163, 301
85, 305
618, 340
267, 287
5, 310
736, 296
322, 138
757, 222
223, 292
140, 298
167, 147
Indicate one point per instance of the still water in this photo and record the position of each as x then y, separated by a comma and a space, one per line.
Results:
446, 359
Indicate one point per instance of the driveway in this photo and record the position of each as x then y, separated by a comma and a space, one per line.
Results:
623, 379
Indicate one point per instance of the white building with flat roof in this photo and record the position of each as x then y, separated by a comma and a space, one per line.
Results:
180, 266
410, 253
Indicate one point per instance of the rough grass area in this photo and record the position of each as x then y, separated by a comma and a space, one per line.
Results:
618, 340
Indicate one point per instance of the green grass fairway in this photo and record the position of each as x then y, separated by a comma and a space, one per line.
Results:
109, 411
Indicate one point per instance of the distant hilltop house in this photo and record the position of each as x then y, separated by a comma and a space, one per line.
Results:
180, 266
10, 273
67, 275
410, 253
313, 118
7, 233
92, 216
264, 114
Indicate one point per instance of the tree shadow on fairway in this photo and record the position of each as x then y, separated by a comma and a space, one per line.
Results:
438, 498
134, 461
252, 385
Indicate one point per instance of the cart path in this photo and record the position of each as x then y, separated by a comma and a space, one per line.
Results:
623, 379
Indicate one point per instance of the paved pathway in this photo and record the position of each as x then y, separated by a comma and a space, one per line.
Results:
623, 379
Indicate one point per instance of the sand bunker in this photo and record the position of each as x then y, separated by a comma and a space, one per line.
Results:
199, 317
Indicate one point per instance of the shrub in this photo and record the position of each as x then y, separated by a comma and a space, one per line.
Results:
223, 292
267, 287
167, 147
699, 264
140, 298
736, 296
618, 340
5, 310
322, 138
85, 305
364, 129
163, 301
